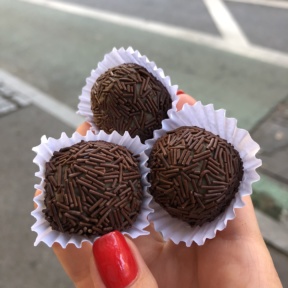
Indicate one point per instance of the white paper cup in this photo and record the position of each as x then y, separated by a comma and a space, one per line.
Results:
45, 151
114, 58
214, 121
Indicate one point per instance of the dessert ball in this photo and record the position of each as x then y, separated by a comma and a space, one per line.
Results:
92, 188
129, 98
194, 174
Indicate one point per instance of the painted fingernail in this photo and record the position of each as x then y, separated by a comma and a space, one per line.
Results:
114, 260
179, 92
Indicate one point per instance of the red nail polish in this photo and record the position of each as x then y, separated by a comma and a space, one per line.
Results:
114, 260
179, 92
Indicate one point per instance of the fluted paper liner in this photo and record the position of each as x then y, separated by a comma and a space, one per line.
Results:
45, 151
214, 121
114, 58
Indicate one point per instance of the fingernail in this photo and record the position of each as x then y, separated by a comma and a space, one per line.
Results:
179, 92
114, 260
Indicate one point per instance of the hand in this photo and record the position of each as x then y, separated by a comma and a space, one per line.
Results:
236, 257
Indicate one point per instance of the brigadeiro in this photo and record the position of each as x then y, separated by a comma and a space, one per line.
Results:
90, 185
202, 165
92, 188
194, 174
127, 92
129, 98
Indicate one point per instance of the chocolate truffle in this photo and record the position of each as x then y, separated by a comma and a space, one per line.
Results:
92, 188
129, 98
194, 174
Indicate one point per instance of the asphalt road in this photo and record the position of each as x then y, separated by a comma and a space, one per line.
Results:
55, 51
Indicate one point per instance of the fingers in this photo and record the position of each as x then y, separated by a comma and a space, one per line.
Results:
76, 263
83, 128
238, 253
150, 246
37, 192
183, 99
245, 223
116, 262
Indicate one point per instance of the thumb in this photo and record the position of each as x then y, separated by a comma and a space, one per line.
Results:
117, 263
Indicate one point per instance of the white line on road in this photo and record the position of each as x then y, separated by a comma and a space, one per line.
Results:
42, 100
225, 23
251, 51
269, 3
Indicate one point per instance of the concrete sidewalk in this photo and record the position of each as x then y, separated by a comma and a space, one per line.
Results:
54, 52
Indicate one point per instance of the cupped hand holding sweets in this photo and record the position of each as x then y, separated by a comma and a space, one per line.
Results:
236, 257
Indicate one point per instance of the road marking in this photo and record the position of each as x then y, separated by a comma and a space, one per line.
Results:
251, 51
269, 3
225, 22
6, 106
46, 102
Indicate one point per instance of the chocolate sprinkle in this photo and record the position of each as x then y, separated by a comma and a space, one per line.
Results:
129, 98
194, 174
92, 188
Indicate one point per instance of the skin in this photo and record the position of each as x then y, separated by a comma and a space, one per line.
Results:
236, 257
